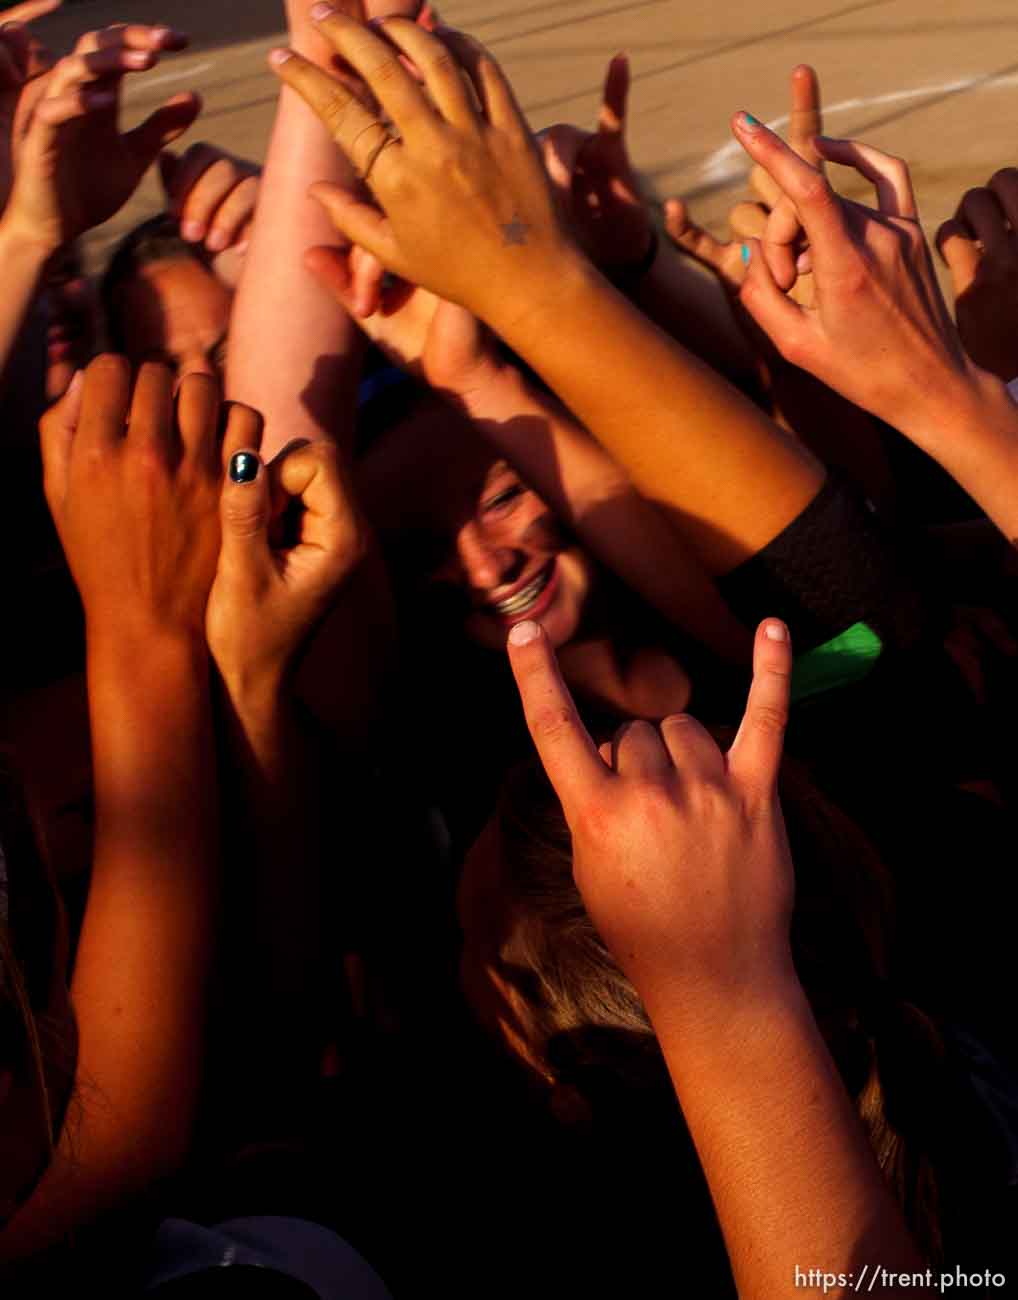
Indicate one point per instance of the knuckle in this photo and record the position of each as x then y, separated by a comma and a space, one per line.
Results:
770, 719
814, 191
552, 723
334, 110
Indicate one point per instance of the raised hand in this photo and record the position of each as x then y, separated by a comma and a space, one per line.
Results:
879, 332
270, 595
212, 194
467, 210
595, 182
980, 247
433, 340
23, 61
679, 851
132, 481
59, 192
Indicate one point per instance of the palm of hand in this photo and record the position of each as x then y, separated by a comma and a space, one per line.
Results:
83, 195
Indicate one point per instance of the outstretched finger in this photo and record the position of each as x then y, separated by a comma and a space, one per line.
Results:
446, 80
725, 260
815, 204
563, 744
162, 127
612, 117
755, 755
378, 63
890, 176
806, 120
491, 86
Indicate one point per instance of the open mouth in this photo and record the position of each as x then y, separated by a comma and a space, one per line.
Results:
530, 599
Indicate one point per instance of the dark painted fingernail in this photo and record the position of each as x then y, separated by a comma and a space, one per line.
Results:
244, 466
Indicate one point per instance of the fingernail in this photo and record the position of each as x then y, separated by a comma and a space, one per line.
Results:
525, 632
803, 263
747, 253
321, 11
241, 248
192, 231
776, 632
244, 466
217, 241
750, 122
137, 59
168, 34
278, 57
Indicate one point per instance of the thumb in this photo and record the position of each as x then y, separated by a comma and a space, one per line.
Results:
755, 755
245, 510
161, 128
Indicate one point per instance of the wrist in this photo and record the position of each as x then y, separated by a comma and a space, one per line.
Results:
713, 1020
25, 247
152, 659
540, 304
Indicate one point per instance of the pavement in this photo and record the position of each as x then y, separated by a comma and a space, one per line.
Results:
934, 81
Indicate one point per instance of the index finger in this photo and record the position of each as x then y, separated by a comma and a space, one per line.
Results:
343, 115
817, 206
755, 755
567, 753
806, 119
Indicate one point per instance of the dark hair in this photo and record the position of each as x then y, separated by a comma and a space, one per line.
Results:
590, 1025
156, 240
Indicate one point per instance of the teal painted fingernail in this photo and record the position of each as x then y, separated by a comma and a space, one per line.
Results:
749, 120
744, 250
244, 467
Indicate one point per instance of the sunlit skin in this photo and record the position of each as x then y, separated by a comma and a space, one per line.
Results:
472, 523
179, 313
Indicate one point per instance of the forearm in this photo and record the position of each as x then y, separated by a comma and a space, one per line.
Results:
22, 263
691, 305
587, 489
294, 354
140, 973
971, 429
726, 474
794, 1182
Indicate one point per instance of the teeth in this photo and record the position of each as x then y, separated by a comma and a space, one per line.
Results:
524, 598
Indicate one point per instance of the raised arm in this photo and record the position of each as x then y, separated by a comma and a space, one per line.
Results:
137, 513
59, 122
680, 855
485, 233
266, 602
303, 378
880, 333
